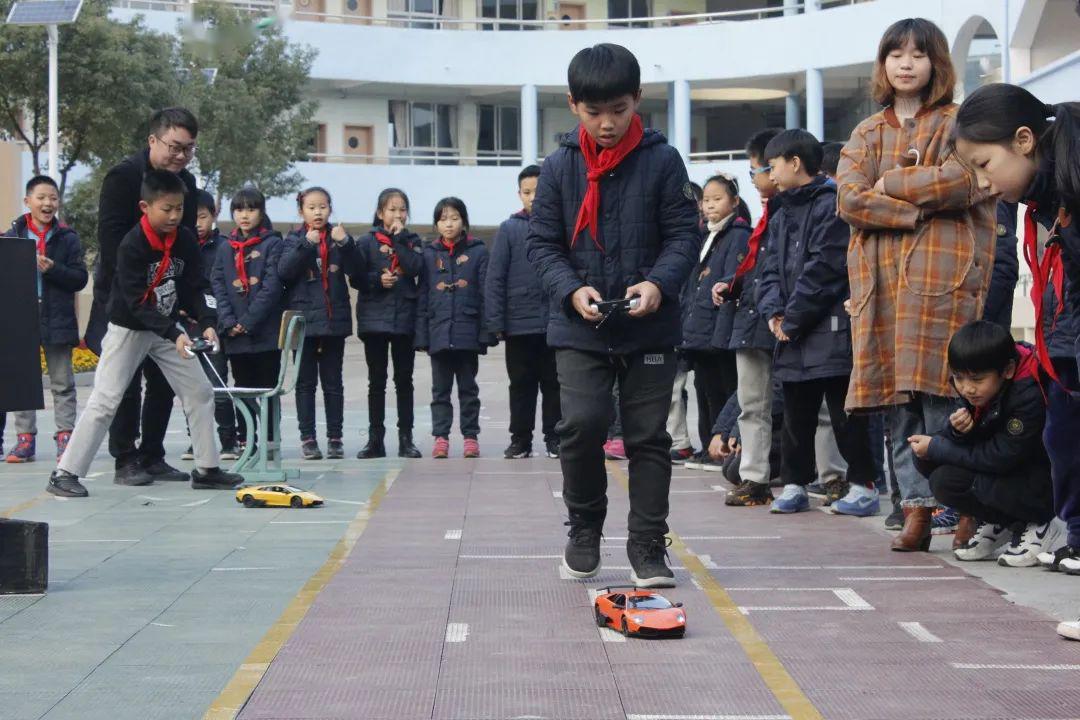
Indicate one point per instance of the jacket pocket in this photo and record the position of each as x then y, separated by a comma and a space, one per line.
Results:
939, 257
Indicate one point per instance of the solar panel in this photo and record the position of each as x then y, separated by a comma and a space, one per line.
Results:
44, 12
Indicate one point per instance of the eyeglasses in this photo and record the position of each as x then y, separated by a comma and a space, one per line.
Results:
177, 150
754, 172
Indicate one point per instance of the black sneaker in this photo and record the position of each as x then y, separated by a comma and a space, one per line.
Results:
214, 479
309, 448
161, 470
335, 449
551, 447
64, 484
749, 494
374, 448
581, 559
895, 521
133, 475
517, 450
648, 559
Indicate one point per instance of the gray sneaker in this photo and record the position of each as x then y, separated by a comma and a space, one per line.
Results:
64, 484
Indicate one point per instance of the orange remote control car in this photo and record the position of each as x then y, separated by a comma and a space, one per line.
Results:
641, 613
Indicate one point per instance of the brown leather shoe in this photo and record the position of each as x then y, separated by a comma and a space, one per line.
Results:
965, 530
915, 535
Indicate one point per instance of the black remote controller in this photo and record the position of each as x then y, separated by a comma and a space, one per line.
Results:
201, 346
606, 307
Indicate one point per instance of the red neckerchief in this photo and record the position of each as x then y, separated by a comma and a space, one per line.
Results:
449, 246
203, 240
1047, 271
40, 234
324, 261
750, 261
598, 164
239, 246
384, 239
162, 246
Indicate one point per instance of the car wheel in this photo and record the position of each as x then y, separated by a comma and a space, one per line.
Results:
625, 630
249, 501
296, 501
601, 619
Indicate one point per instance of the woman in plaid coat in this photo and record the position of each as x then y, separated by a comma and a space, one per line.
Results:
921, 251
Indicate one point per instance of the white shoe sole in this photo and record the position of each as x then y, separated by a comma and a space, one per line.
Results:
713, 468
693, 466
1020, 560
1069, 630
653, 582
578, 574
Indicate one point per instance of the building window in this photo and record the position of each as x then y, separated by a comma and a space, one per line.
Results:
499, 135
317, 147
621, 9
510, 10
418, 13
423, 133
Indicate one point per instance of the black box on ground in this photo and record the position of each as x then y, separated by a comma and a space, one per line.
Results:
24, 557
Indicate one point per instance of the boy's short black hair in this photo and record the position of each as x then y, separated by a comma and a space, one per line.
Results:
156, 183
602, 73
981, 346
452, 203
529, 171
41, 180
205, 201
796, 144
171, 117
830, 157
755, 146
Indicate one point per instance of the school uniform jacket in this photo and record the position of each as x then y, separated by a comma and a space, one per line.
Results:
450, 314
328, 312
67, 276
515, 302
380, 310
259, 308
707, 327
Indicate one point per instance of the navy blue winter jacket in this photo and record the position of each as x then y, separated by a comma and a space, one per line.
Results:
705, 326
805, 281
998, 307
648, 227
450, 314
258, 309
328, 313
514, 301
749, 329
67, 276
378, 309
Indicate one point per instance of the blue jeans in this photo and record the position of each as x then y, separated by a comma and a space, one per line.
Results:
924, 415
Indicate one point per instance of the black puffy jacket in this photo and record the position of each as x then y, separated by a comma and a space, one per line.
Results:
514, 301
68, 275
998, 306
749, 330
378, 309
328, 312
707, 327
450, 314
259, 308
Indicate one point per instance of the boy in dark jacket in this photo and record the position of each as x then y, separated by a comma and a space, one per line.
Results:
614, 218
158, 273
450, 324
61, 274
803, 287
517, 312
989, 462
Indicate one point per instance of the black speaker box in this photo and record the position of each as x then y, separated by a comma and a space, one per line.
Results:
24, 557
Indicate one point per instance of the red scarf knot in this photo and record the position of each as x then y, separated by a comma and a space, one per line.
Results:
239, 245
40, 234
163, 246
1045, 272
750, 261
598, 164
384, 239
324, 262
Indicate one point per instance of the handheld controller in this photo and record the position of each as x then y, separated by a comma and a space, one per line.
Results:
201, 346
606, 307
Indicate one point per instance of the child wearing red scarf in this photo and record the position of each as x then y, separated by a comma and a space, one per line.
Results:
250, 298
61, 272
314, 262
614, 217
158, 274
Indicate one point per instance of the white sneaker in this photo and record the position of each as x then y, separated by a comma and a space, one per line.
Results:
1024, 549
985, 543
188, 454
1069, 630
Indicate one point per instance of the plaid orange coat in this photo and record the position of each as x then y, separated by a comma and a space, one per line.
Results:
920, 256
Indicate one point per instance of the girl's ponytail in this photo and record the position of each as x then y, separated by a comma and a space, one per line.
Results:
1061, 143
743, 212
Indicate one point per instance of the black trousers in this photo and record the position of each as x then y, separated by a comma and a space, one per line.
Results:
379, 350
802, 402
152, 410
530, 363
321, 362
645, 384
715, 379
446, 366
256, 370
998, 499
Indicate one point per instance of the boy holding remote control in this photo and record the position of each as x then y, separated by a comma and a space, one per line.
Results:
614, 218
158, 273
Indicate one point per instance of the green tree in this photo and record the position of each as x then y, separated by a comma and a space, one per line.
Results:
245, 82
112, 76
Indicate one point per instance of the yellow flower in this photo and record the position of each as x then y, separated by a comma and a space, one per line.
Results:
82, 360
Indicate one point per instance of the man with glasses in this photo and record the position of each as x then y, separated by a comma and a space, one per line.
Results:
171, 146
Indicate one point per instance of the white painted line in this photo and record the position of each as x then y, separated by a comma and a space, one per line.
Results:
707, 561
828, 567
196, 503
103, 540
969, 666
917, 631
852, 599
347, 502
782, 589
707, 717
556, 494
909, 578
510, 557
564, 574
616, 538
310, 522
680, 568
452, 535
747, 609
151, 497
157, 624
714, 489
719, 488
240, 569
94, 474
609, 635
513, 472
457, 632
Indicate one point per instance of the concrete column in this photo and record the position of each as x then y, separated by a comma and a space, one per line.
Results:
791, 111
791, 7
679, 112
815, 103
529, 125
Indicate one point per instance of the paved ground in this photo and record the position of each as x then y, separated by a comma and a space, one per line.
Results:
431, 589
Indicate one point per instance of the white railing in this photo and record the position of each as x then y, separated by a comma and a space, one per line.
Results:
717, 155
418, 156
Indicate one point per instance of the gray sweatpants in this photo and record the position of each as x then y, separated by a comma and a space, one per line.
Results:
62, 385
122, 352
